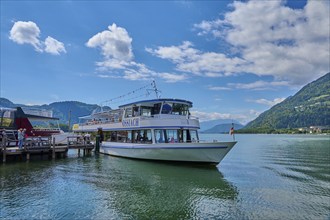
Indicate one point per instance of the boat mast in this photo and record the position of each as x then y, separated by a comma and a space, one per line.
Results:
155, 89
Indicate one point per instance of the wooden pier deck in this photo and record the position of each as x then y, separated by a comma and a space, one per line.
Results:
42, 146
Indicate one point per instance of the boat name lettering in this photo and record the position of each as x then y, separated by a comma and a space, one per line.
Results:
132, 122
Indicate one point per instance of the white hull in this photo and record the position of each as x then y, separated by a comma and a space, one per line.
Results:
212, 152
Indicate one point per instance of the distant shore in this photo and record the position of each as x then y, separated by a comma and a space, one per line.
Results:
274, 131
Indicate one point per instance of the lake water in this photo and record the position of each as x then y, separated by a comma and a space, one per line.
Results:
263, 177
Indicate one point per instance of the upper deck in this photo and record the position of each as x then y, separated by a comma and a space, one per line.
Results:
153, 113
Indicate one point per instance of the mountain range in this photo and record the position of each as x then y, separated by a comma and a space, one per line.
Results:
61, 110
207, 125
223, 128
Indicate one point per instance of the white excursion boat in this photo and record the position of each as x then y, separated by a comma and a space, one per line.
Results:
156, 129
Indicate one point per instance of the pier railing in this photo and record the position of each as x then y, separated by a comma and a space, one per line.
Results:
42, 145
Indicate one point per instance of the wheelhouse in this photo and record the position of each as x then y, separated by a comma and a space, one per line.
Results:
156, 107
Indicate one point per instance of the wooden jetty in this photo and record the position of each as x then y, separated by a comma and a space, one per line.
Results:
43, 146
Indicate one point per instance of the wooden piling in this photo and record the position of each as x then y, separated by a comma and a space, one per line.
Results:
53, 155
97, 144
4, 150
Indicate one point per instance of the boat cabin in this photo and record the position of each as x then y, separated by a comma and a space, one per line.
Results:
149, 121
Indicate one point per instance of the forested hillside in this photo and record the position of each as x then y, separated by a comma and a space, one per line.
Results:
308, 107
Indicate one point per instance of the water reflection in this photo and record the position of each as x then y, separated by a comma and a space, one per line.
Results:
265, 177
140, 189
103, 187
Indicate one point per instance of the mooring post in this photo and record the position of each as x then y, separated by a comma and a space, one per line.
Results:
84, 146
53, 155
97, 144
4, 150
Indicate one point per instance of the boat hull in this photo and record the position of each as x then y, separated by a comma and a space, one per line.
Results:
212, 152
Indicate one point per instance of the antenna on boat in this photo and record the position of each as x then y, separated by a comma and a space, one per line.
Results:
155, 89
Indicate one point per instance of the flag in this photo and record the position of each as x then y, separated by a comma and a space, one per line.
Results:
231, 132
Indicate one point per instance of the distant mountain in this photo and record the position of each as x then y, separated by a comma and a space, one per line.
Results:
205, 125
6, 103
73, 109
308, 107
61, 110
223, 128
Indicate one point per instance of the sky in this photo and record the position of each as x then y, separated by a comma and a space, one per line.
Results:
232, 59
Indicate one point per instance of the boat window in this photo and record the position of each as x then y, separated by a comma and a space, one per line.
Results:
193, 135
118, 136
156, 109
113, 136
44, 124
106, 135
180, 109
146, 111
142, 136
128, 112
122, 136
187, 136
146, 137
167, 108
136, 111
134, 136
160, 136
172, 136
175, 136
6, 118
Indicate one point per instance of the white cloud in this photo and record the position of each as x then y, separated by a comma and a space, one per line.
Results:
218, 88
118, 58
115, 43
268, 102
27, 32
257, 85
136, 71
53, 46
289, 44
190, 60
172, 78
243, 117
207, 116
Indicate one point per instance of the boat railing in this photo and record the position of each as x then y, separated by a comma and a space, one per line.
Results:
46, 129
142, 117
208, 141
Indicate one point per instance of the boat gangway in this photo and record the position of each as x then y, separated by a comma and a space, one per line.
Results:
42, 146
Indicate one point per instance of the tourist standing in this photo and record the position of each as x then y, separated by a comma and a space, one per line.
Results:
20, 137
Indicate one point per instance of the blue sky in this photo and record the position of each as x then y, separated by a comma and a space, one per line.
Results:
232, 59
